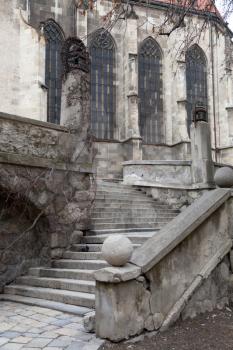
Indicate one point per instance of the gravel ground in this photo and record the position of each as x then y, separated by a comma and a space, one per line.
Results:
210, 331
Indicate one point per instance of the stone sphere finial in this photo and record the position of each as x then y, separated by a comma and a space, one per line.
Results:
224, 177
117, 250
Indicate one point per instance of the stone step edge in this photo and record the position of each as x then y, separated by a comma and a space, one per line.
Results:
18, 287
122, 230
46, 304
63, 280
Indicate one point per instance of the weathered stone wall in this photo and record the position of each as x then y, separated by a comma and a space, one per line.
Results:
173, 272
177, 198
215, 292
22, 67
47, 176
62, 11
109, 156
20, 246
158, 172
180, 151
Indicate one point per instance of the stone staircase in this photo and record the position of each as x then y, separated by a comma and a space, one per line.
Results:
68, 285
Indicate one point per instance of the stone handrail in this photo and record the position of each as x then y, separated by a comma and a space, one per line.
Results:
151, 291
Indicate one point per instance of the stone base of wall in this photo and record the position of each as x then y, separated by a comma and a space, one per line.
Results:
215, 292
160, 172
111, 155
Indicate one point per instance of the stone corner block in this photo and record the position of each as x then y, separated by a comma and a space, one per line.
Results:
117, 274
89, 322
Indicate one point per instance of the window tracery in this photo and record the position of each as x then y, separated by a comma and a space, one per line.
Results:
103, 85
196, 81
53, 69
150, 92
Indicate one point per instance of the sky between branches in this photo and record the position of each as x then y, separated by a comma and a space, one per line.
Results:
222, 6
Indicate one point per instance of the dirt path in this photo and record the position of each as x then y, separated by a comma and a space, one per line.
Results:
211, 331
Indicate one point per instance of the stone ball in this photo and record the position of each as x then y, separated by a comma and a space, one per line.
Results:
117, 250
224, 177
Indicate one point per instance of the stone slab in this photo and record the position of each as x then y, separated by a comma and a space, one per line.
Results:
117, 274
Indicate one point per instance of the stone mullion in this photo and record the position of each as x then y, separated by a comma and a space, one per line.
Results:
131, 54
182, 100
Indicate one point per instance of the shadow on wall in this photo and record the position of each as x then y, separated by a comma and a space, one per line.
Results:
24, 239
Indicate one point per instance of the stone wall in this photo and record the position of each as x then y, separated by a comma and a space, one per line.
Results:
46, 192
176, 197
175, 271
22, 67
62, 11
158, 172
109, 156
180, 151
215, 292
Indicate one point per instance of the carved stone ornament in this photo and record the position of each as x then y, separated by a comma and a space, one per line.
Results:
75, 56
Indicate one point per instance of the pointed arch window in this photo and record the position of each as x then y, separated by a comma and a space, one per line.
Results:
150, 88
196, 81
53, 69
103, 85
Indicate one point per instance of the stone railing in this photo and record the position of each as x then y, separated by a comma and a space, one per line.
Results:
170, 275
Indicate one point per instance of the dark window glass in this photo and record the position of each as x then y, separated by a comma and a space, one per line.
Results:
150, 88
53, 69
196, 81
103, 87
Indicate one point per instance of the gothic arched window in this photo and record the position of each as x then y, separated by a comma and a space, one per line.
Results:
103, 85
196, 81
53, 69
150, 88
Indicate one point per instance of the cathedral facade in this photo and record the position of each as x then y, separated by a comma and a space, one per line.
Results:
147, 80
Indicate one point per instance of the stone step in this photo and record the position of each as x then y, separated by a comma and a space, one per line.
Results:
82, 255
128, 201
86, 247
112, 184
58, 283
132, 212
132, 205
79, 274
79, 264
48, 304
123, 231
139, 239
133, 220
102, 226
61, 296
113, 191
123, 196
92, 247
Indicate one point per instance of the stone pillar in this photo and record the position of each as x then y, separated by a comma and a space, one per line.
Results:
133, 133
202, 164
133, 122
181, 102
75, 104
229, 107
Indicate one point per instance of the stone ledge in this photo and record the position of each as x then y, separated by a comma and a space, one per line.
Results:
42, 124
16, 159
158, 246
117, 274
158, 162
193, 187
